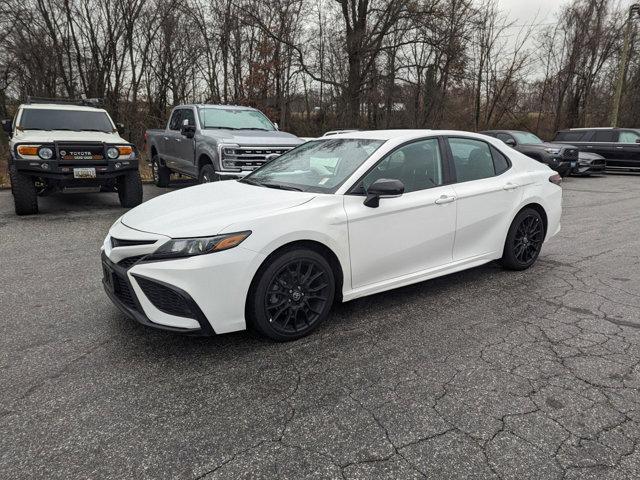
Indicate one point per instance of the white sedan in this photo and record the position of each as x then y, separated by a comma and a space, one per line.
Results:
334, 219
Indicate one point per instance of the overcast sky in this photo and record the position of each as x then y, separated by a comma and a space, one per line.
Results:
526, 11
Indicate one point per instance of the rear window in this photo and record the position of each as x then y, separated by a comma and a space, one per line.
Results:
75, 120
570, 136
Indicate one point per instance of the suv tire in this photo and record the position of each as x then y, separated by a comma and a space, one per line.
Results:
130, 189
161, 174
25, 195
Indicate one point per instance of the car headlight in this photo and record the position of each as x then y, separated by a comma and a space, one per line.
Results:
189, 247
553, 151
113, 153
45, 153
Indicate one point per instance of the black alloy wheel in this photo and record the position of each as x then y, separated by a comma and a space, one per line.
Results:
524, 240
293, 295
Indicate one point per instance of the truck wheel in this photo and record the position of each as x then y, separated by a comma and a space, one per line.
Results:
130, 189
161, 174
25, 196
208, 174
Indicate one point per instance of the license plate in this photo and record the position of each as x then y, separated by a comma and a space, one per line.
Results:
84, 172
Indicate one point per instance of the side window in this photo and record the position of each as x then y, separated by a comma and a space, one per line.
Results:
174, 124
418, 165
604, 136
570, 136
187, 114
628, 137
500, 163
504, 137
472, 159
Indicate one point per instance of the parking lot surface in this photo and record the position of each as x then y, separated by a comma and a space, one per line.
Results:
480, 374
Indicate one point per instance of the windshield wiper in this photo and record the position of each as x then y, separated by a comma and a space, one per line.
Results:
217, 126
280, 186
255, 128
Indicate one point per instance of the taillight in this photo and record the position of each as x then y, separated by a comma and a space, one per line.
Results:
555, 178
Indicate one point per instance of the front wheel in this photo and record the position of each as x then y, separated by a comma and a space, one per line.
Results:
292, 295
524, 240
130, 189
25, 193
208, 174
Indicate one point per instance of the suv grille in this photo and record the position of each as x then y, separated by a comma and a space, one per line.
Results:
570, 154
80, 152
250, 158
164, 298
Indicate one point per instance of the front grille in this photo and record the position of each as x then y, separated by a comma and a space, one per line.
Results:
130, 261
124, 293
118, 242
250, 158
570, 154
164, 298
80, 152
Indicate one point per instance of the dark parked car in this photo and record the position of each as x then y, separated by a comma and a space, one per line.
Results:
619, 146
589, 163
560, 157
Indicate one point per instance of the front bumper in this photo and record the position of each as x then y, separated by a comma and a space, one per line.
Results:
585, 167
120, 289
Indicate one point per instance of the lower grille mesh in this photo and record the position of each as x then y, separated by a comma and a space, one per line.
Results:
123, 292
164, 298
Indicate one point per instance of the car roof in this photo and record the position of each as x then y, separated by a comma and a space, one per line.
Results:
61, 106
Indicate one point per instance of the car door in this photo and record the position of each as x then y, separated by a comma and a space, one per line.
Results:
184, 148
486, 195
168, 139
406, 234
629, 148
603, 142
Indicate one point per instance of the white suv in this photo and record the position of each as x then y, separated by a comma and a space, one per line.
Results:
68, 147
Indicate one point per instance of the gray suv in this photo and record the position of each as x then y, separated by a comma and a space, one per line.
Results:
214, 142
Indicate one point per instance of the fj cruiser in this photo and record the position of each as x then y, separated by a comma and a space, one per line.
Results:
214, 142
68, 146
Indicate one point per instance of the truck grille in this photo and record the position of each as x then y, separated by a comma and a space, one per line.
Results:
80, 152
249, 158
570, 154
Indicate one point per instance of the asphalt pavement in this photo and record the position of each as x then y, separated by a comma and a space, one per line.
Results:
481, 374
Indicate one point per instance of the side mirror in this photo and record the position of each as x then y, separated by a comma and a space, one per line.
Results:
510, 141
188, 131
7, 126
276, 126
383, 187
120, 127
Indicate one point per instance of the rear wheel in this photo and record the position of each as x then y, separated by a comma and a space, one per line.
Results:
25, 194
524, 240
161, 174
208, 174
292, 295
130, 189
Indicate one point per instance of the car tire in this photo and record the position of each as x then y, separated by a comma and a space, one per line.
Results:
25, 194
291, 295
161, 174
208, 174
524, 240
130, 189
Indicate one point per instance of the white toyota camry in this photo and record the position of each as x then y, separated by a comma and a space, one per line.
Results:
334, 219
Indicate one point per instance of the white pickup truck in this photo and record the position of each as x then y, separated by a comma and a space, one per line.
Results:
71, 147
214, 142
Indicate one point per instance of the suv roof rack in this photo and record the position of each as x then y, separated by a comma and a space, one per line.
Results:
593, 128
86, 102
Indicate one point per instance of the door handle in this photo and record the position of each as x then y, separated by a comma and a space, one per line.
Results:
445, 199
620, 148
510, 186
178, 140
165, 138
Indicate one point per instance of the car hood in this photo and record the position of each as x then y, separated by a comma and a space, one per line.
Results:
205, 210
42, 136
253, 137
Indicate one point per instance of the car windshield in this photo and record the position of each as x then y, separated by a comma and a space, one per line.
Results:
76, 120
526, 137
234, 119
317, 166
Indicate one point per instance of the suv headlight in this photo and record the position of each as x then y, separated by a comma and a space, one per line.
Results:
553, 151
45, 153
113, 153
189, 247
